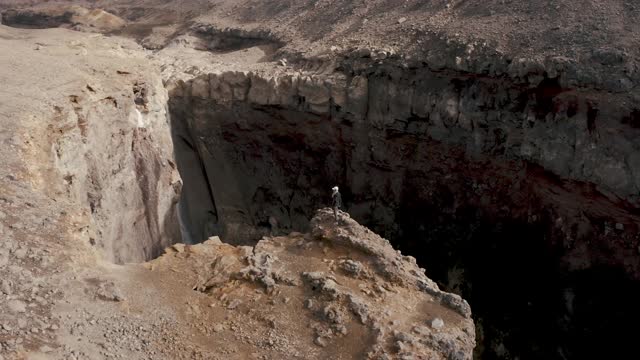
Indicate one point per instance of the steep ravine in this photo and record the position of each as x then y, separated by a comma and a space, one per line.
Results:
120, 172
522, 196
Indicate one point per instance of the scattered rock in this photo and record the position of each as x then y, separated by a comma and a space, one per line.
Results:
20, 253
422, 330
308, 303
352, 267
17, 306
401, 20
234, 304
179, 247
320, 341
109, 292
214, 240
5, 287
437, 323
342, 330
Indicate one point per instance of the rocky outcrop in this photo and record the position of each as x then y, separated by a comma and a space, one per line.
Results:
341, 283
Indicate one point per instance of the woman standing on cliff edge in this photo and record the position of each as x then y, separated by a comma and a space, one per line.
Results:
336, 201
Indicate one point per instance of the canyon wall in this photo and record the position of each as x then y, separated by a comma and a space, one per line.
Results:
521, 180
382, 131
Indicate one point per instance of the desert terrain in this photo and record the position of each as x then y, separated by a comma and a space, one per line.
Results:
167, 168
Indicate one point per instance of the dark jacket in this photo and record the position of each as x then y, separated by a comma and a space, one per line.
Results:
336, 200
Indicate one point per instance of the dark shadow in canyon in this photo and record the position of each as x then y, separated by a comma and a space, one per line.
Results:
197, 212
525, 306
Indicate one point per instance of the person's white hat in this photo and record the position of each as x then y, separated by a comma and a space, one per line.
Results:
335, 188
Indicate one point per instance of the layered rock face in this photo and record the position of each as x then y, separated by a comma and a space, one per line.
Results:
525, 176
394, 124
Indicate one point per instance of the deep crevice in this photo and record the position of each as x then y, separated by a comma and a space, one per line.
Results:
198, 214
504, 234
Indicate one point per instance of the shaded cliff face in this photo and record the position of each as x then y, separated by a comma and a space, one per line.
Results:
510, 190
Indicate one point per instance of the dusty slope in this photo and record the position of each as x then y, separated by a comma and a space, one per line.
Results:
515, 27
